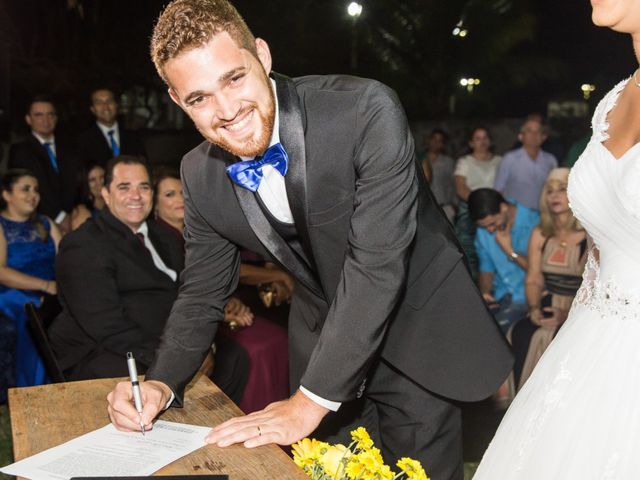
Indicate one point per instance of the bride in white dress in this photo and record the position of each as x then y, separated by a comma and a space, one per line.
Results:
578, 415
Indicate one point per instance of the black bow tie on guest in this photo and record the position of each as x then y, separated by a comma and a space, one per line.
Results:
248, 174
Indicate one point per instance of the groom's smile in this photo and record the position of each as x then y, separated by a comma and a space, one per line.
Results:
226, 92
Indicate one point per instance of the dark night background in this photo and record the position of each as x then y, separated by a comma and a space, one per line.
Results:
526, 53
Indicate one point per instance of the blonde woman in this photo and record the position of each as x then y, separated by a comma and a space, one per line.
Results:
557, 255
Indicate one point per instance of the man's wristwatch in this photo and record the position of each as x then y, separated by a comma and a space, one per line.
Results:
513, 256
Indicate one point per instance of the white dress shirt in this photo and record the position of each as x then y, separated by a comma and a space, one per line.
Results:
272, 190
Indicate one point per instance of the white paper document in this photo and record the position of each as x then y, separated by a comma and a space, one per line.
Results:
108, 452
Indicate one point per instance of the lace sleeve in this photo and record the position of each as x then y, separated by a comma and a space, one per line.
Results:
591, 274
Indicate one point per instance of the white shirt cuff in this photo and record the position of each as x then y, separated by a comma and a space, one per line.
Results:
323, 402
171, 399
60, 217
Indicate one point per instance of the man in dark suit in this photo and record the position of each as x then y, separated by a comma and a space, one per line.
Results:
50, 159
105, 139
117, 281
386, 324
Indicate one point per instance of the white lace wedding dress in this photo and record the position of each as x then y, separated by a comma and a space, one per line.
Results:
578, 415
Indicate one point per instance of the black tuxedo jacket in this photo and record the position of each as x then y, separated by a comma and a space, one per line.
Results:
379, 272
113, 296
93, 148
57, 190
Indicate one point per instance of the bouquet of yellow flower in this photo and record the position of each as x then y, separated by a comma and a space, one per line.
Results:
359, 461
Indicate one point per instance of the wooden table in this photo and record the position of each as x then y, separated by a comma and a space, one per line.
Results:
46, 416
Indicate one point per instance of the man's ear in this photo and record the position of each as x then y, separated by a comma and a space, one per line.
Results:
27, 118
264, 55
174, 96
105, 195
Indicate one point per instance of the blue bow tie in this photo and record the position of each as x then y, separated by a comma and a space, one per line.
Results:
248, 174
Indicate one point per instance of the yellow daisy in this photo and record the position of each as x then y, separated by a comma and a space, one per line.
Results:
307, 451
412, 468
361, 436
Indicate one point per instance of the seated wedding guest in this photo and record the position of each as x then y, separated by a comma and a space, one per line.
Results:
502, 238
476, 169
438, 169
105, 139
28, 243
556, 262
90, 199
264, 341
169, 214
118, 278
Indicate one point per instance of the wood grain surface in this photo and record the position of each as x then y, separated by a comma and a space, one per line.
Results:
46, 416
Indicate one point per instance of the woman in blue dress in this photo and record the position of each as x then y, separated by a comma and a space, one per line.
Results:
28, 244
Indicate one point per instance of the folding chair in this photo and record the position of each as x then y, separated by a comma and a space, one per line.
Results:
40, 338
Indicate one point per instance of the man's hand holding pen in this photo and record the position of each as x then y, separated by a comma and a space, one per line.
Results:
122, 411
135, 387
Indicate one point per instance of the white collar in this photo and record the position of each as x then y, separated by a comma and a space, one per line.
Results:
143, 229
105, 130
43, 140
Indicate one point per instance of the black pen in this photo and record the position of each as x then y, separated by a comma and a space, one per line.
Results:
135, 386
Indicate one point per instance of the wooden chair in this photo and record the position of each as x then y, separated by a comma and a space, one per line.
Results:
40, 338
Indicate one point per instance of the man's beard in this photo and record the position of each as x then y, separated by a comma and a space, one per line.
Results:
254, 146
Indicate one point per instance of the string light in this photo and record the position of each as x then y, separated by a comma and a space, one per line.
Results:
469, 83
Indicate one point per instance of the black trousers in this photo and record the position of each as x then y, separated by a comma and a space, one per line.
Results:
404, 420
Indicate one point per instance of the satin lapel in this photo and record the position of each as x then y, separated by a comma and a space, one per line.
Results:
269, 237
292, 138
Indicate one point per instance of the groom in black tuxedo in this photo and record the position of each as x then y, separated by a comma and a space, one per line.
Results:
386, 325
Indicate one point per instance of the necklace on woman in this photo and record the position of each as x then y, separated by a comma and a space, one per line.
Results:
562, 240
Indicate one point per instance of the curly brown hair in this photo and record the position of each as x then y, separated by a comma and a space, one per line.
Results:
187, 24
